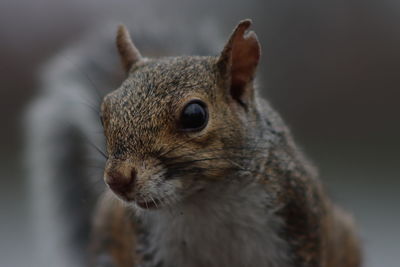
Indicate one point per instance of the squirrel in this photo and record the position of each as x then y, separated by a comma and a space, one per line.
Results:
201, 171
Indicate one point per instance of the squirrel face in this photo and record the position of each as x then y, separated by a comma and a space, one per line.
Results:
176, 125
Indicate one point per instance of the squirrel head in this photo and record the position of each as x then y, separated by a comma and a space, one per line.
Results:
176, 125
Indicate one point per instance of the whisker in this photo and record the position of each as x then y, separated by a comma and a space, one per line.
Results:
152, 199
98, 149
93, 107
86, 76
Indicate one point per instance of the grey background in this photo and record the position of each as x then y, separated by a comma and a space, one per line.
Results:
330, 67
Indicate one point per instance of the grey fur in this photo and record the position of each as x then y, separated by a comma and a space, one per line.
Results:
235, 228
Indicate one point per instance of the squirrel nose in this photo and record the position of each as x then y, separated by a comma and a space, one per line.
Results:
119, 182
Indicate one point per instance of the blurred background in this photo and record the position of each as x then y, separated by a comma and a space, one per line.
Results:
331, 68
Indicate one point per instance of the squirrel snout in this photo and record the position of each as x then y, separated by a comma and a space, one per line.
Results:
119, 182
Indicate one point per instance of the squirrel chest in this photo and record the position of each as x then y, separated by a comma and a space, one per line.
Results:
235, 229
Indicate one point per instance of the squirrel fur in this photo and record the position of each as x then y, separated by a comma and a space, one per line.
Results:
236, 193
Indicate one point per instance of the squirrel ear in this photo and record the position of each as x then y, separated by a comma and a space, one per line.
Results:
128, 52
238, 61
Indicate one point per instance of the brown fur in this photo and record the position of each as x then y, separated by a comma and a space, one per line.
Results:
129, 53
244, 138
113, 235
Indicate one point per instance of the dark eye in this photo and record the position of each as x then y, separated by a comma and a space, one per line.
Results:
194, 116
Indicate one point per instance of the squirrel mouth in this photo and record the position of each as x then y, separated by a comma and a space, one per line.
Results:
153, 204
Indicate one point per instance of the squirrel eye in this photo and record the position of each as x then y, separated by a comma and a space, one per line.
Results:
194, 116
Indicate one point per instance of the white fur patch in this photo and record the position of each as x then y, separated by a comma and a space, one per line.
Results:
223, 227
